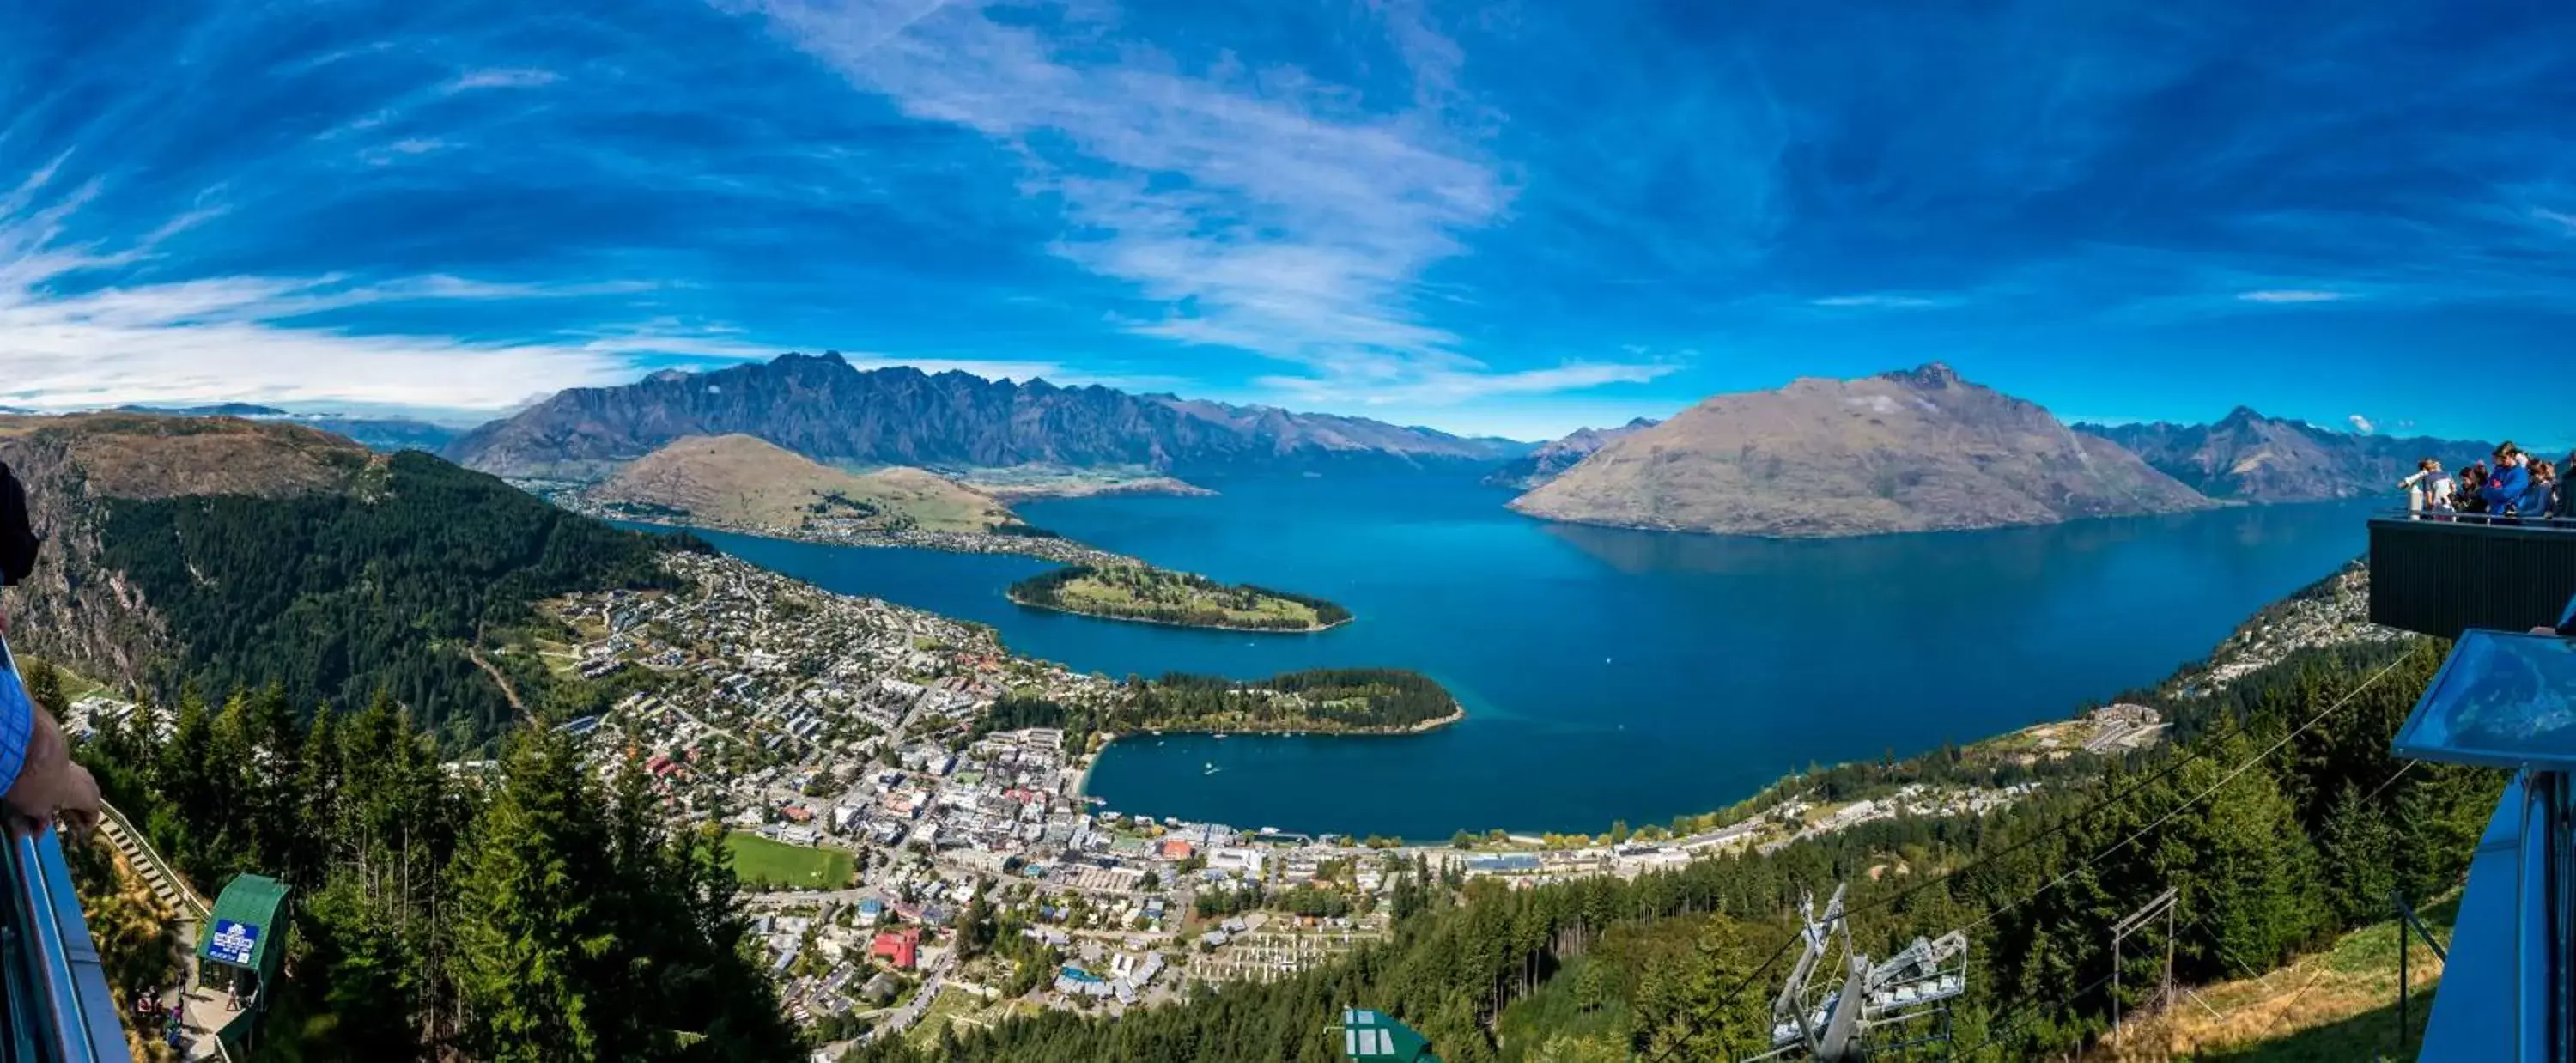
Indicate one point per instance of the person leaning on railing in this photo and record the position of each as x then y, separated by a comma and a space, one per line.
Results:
2539, 497
35, 760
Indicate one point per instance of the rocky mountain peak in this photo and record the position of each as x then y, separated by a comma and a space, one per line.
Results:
823, 408
1929, 375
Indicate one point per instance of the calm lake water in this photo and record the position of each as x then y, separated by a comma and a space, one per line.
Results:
1610, 674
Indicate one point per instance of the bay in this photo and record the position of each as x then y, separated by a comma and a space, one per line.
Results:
1609, 674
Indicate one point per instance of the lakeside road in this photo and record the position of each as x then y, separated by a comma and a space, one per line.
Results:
1059, 550
1082, 777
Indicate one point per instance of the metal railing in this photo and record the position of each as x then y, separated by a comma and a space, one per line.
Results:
2498, 520
58, 1009
2441, 574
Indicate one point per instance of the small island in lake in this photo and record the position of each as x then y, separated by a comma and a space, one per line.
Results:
1159, 596
1319, 701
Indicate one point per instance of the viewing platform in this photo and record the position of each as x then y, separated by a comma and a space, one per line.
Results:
2505, 698
2444, 574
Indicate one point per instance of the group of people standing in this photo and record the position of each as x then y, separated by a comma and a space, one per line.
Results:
2516, 487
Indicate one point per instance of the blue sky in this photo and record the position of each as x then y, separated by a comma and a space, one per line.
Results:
1489, 217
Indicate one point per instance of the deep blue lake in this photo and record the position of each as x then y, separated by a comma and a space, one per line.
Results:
1610, 674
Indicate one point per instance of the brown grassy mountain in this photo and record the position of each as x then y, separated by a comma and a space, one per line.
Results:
1552, 459
821, 407
234, 554
746, 482
1899, 452
2267, 459
72, 465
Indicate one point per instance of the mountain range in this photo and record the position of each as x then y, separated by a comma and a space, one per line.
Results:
2254, 458
1920, 450
825, 409
1553, 458
381, 434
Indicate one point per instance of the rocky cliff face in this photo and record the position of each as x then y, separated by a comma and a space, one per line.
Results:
821, 407
73, 610
1551, 460
1921, 450
2265, 459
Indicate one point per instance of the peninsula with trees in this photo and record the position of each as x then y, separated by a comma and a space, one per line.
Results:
1320, 700
1152, 595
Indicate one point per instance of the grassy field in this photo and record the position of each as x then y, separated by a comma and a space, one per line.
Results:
960, 1007
760, 860
1136, 592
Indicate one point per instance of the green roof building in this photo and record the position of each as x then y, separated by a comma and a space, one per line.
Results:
244, 940
1376, 1037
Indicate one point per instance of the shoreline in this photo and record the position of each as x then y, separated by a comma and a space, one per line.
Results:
1008, 493
2217, 505
1024, 604
1072, 553
1082, 779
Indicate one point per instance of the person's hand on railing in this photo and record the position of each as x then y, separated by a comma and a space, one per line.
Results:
50, 787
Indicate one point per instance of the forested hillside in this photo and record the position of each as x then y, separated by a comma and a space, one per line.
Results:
534, 913
2277, 813
234, 554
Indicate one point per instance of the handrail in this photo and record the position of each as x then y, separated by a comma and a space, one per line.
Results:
53, 957
82, 1016
110, 814
2486, 520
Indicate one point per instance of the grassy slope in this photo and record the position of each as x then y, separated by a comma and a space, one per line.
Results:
757, 859
2336, 1006
740, 480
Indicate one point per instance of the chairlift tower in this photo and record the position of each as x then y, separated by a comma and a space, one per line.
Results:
1838, 1007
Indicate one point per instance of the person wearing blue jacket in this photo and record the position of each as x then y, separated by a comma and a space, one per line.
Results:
41, 783
44, 784
2508, 483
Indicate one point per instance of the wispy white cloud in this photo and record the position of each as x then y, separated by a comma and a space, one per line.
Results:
1883, 301
2292, 295
522, 78
2565, 221
388, 154
1262, 210
1446, 387
2361, 424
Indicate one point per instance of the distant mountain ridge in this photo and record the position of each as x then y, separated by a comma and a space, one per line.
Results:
384, 435
825, 409
2248, 456
1552, 459
220, 409
1917, 450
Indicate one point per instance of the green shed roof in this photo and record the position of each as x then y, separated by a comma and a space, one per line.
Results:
1369, 1036
256, 902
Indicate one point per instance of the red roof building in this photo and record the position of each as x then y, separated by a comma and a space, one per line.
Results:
1175, 849
898, 946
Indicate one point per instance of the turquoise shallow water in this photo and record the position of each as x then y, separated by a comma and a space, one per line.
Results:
1610, 674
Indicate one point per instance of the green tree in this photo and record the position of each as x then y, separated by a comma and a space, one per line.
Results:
531, 930
45, 685
2359, 857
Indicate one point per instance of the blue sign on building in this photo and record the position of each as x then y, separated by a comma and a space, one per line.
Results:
233, 942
